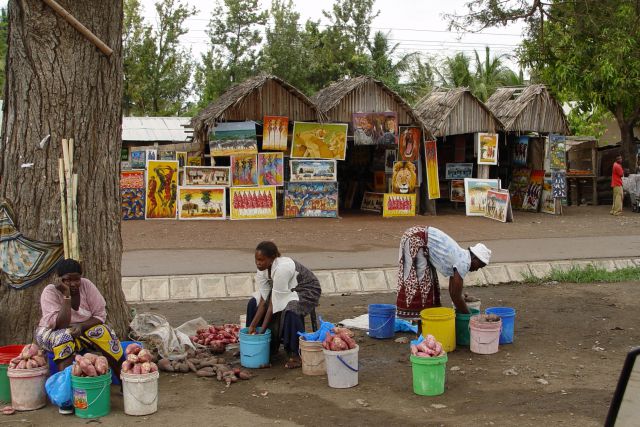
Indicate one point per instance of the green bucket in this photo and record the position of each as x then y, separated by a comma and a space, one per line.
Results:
92, 395
428, 375
5, 388
462, 327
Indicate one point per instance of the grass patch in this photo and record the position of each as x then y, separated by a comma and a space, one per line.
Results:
588, 274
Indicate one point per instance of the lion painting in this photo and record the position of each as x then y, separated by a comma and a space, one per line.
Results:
404, 178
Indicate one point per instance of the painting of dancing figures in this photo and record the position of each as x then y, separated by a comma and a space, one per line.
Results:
274, 133
162, 189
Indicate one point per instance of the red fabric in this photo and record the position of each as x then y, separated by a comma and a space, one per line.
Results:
616, 175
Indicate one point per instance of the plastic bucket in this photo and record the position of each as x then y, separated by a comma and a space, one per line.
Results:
313, 361
485, 336
382, 320
27, 388
428, 374
342, 367
462, 326
508, 316
8, 352
475, 305
92, 395
440, 322
140, 393
254, 349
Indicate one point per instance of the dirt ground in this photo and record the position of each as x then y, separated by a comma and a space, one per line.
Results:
575, 337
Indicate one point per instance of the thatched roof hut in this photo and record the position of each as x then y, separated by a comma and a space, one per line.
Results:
529, 109
454, 112
254, 98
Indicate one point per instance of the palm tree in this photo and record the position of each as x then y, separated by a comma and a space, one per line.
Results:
386, 65
492, 73
456, 72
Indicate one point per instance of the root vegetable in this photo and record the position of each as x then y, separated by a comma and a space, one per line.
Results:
88, 369
91, 358
165, 365
153, 367
29, 351
8, 410
145, 356
145, 368
76, 371
40, 360
31, 364
191, 366
351, 343
127, 366
339, 330
205, 373
22, 365
184, 368
137, 369
133, 349
244, 375
132, 358
338, 344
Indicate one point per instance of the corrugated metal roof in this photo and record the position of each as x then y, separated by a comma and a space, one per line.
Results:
155, 129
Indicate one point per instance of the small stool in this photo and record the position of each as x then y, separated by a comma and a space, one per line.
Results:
314, 320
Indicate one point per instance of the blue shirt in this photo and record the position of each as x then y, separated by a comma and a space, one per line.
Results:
446, 255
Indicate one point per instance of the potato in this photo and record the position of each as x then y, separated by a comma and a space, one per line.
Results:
137, 369
244, 375
76, 371
205, 373
133, 349
184, 368
144, 356
165, 365
153, 367
132, 358
91, 358
191, 366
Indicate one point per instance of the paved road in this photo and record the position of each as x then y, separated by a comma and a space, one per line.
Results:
195, 261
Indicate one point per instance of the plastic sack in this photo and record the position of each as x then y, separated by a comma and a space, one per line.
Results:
58, 387
319, 335
156, 332
404, 326
417, 341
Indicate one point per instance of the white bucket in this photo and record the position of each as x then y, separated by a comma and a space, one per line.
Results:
243, 321
484, 336
27, 388
313, 361
140, 393
342, 367
470, 305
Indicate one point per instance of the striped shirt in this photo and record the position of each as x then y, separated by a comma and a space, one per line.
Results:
446, 255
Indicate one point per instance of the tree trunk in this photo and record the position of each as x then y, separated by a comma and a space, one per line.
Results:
629, 150
58, 83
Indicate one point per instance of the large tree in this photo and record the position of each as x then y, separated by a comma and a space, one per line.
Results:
492, 73
388, 65
4, 22
59, 84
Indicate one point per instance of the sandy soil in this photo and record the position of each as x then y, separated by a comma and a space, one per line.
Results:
575, 337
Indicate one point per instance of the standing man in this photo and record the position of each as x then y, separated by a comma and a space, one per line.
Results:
616, 184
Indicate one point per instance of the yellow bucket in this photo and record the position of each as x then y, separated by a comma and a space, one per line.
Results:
441, 323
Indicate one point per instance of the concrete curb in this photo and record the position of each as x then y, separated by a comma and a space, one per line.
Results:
241, 285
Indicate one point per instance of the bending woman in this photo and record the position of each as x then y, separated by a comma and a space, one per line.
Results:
287, 291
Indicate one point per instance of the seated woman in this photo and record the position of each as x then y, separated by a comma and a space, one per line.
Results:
287, 291
73, 319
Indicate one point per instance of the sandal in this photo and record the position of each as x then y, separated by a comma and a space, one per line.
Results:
293, 363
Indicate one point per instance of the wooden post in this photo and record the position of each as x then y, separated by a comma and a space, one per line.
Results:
63, 209
483, 171
74, 213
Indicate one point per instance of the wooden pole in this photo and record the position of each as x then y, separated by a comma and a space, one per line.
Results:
74, 211
63, 209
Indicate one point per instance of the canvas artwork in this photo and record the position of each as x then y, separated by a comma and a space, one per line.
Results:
233, 138
458, 170
398, 205
181, 157
557, 151
138, 159
253, 203
475, 191
497, 205
520, 150
218, 176
390, 157
202, 203
487, 148
150, 154
166, 155
559, 183
244, 170
275, 130
319, 141
431, 159
547, 201
457, 190
311, 199
194, 161
270, 169
518, 186
125, 166
405, 178
372, 202
132, 194
375, 128
409, 143
162, 189
124, 154
303, 170
534, 191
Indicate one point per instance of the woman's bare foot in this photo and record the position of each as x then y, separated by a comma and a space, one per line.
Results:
294, 362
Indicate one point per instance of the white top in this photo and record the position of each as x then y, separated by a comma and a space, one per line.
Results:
446, 255
284, 277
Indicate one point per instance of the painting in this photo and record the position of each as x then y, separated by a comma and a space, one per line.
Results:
166, 155
311, 199
162, 189
372, 202
244, 170
253, 203
475, 192
138, 159
487, 148
547, 201
124, 154
305, 170
194, 161
390, 158
181, 157
233, 138
218, 176
518, 186
458, 170
132, 195
398, 205
150, 154
534, 191
404, 179
125, 166
375, 128
202, 203
319, 141
409, 143
497, 205
270, 169
431, 159
275, 130
457, 190
557, 151
520, 149
559, 183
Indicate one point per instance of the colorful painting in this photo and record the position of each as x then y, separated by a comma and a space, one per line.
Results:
319, 141
166, 155
312, 170
547, 201
409, 145
431, 159
311, 199
559, 183
244, 170
398, 205
372, 202
518, 186
138, 159
181, 157
132, 194
557, 151
405, 178
162, 189
124, 154
194, 161
275, 130
456, 187
202, 203
475, 191
497, 205
125, 166
390, 157
534, 191
375, 128
233, 138
150, 154
520, 149
253, 203
270, 169
487, 148
218, 176
458, 170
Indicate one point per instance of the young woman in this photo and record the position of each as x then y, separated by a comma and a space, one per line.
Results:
287, 291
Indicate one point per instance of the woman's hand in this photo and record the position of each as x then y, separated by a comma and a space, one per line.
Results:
62, 287
252, 330
75, 330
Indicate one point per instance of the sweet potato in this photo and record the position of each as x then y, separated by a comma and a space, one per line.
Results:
153, 367
40, 360
351, 343
76, 371
137, 369
132, 358
183, 367
88, 369
133, 349
29, 351
204, 372
91, 358
22, 365
8, 410
338, 344
127, 366
191, 366
165, 365
31, 364
144, 356
339, 330
145, 367
244, 375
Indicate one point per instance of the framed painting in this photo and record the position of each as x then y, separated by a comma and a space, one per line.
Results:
271, 169
520, 150
311, 199
547, 201
458, 170
518, 186
557, 151
372, 202
253, 202
457, 190
194, 161
181, 157
150, 154
244, 170
138, 159
375, 128
559, 183
487, 148
305, 170
405, 178
497, 205
132, 194
124, 154
167, 155
202, 203
233, 138
390, 157
218, 176
275, 130
475, 192
319, 140
162, 189
409, 143
431, 158
394, 205
534, 191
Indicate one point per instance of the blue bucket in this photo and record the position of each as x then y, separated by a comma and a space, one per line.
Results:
508, 316
382, 320
254, 349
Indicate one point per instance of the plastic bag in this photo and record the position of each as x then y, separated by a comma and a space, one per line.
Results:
319, 335
58, 387
156, 332
404, 326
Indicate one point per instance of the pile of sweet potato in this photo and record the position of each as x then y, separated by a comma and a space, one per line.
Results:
340, 341
216, 338
139, 361
429, 347
90, 365
31, 357
203, 364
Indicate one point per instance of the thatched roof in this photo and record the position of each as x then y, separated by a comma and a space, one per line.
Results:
529, 109
456, 111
